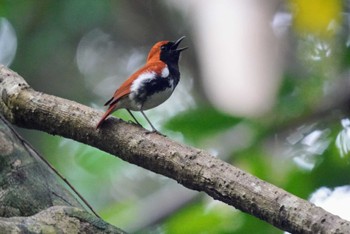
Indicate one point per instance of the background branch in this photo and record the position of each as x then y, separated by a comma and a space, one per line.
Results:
33, 199
193, 168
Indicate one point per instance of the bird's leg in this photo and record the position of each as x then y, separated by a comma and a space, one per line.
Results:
153, 128
137, 122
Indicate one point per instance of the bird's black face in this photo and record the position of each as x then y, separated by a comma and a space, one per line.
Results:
169, 53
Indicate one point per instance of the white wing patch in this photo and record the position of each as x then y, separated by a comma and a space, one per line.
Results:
151, 101
140, 79
165, 72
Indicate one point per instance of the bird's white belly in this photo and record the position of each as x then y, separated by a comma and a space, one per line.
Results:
152, 101
157, 98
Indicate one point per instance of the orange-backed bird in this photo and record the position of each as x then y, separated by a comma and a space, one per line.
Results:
151, 85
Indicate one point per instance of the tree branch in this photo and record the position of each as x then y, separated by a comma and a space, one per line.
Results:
32, 199
57, 219
194, 168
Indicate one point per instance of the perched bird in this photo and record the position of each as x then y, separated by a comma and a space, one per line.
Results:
151, 85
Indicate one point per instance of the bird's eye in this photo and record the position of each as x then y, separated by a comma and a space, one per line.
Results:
162, 47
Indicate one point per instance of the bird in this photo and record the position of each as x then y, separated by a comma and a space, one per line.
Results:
151, 85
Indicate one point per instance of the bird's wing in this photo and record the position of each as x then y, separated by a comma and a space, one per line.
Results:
150, 70
154, 69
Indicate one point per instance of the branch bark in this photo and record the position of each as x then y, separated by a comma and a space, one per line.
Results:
57, 219
194, 168
32, 199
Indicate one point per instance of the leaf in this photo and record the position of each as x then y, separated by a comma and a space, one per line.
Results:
201, 122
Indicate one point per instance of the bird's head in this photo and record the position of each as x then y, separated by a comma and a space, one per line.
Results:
167, 51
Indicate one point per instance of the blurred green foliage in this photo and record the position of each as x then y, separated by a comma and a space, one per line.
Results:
201, 122
48, 35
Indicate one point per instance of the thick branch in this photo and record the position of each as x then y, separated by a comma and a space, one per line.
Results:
32, 199
27, 185
57, 219
194, 168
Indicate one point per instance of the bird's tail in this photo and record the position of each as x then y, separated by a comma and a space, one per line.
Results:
105, 115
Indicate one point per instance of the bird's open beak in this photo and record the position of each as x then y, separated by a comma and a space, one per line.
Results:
176, 44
